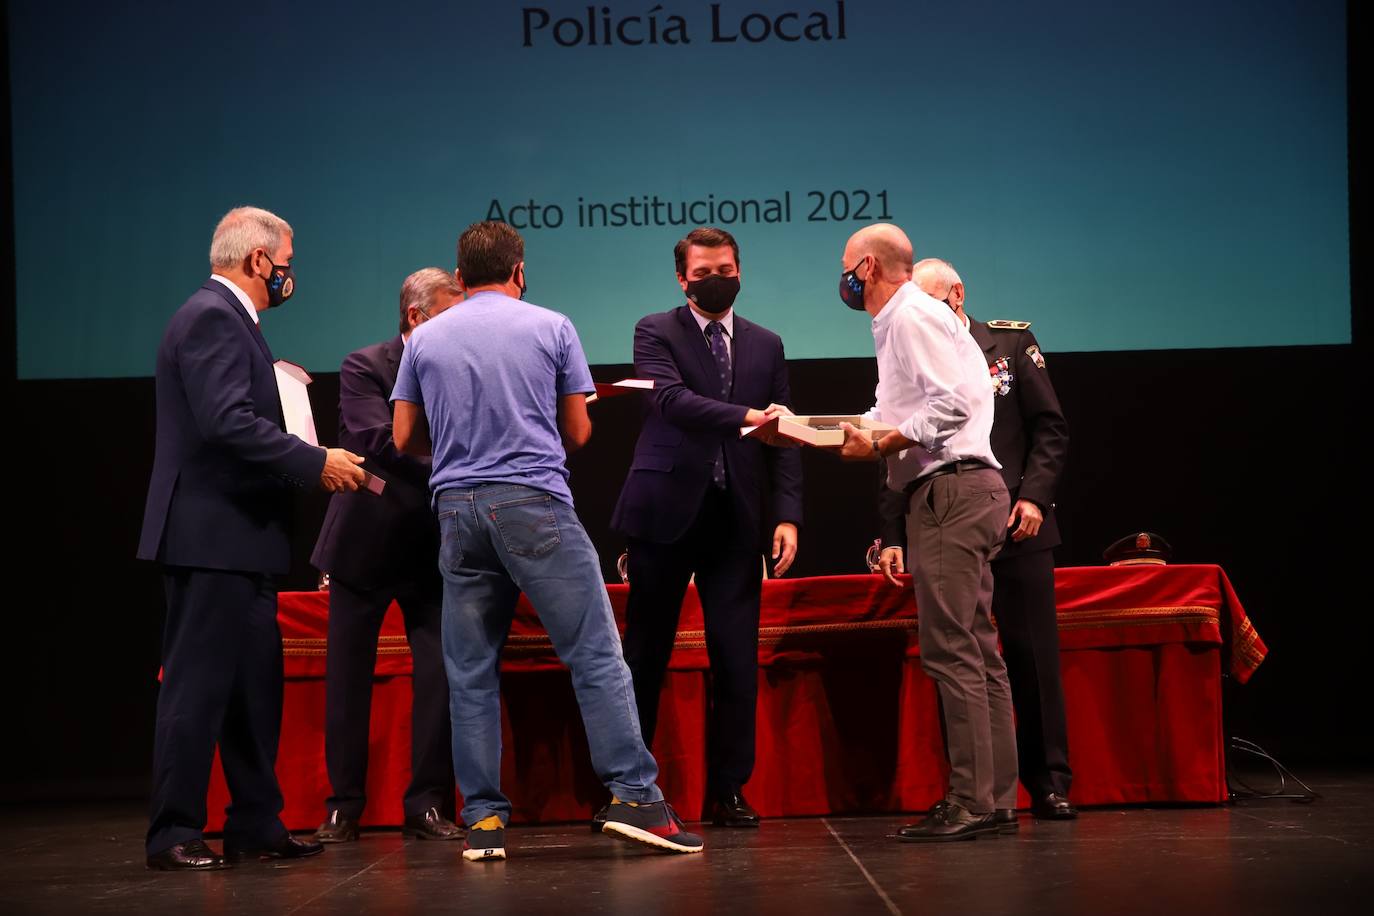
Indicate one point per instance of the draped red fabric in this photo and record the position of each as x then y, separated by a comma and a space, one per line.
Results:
847, 721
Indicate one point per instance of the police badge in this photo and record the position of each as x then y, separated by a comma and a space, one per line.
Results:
1001, 376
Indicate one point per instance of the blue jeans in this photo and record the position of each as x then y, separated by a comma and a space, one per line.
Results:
500, 540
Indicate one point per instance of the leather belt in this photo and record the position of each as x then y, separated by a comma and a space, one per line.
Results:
962, 466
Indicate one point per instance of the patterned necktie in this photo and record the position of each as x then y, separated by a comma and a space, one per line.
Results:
715, 333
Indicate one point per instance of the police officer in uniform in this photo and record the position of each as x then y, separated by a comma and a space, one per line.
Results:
1030, 438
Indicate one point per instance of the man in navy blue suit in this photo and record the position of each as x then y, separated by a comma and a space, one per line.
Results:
377, 550
699, 499
216, 519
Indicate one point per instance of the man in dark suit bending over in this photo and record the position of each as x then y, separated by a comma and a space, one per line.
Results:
377, 550
216, 519
698, 499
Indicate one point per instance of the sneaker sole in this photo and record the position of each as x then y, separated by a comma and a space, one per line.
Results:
491, 854
623, 831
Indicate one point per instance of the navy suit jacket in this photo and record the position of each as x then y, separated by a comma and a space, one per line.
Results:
224, 467
369, 541
688, 425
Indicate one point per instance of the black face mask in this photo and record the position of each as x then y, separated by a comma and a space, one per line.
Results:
852, 289
522, 283
281, 283
713, 294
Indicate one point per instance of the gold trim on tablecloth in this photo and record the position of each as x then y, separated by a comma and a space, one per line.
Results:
529, 644
1137, 616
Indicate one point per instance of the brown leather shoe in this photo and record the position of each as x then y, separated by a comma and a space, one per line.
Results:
1005, 819
337, 828
193, 855
431, 826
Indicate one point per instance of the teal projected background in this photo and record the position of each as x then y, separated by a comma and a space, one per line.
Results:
1128, 176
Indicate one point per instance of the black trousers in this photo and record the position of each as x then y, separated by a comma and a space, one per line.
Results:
221, 684
729, 582
355, 620
1023, 605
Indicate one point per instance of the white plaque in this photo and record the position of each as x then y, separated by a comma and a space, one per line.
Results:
292, 382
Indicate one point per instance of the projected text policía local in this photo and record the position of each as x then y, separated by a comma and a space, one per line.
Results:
602, 26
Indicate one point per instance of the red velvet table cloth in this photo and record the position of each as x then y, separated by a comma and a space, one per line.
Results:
847, 721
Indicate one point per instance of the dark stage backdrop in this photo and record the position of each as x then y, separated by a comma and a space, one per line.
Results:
1243, 457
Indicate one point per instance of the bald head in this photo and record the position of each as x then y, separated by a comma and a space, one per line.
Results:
879, 257
888, 245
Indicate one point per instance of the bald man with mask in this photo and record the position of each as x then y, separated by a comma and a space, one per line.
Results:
1030, 437
933, 387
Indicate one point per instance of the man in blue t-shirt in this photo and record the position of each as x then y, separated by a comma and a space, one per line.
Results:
495, 388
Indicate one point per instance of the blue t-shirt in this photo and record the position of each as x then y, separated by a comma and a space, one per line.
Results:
489, 372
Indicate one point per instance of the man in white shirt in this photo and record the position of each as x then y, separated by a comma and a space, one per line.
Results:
933, 386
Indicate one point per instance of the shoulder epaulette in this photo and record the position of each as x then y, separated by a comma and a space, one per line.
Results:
1002, 324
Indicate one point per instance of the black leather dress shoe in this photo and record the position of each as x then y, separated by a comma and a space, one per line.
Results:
337, 828
193, 855
288, 847
733, 811
1054, 807
949, 822
431, 826
599, 818
1005, 818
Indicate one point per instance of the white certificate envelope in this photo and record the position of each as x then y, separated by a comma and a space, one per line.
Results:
292, 382
823, 432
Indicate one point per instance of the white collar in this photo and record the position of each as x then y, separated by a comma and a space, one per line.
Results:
239, 294
727, 321
899, 296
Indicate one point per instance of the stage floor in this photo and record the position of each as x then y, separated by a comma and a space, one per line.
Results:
1255, 858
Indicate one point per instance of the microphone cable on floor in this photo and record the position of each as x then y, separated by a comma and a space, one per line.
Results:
1239, 790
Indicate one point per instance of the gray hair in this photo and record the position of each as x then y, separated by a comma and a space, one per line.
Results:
243, 229
935, 269
419, 289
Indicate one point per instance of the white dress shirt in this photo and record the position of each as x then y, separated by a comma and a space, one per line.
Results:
727, 321
242, 296
933, 385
